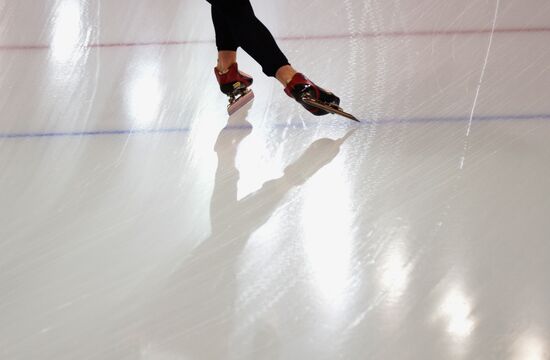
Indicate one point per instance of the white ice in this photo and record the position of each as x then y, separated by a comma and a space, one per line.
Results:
138, 221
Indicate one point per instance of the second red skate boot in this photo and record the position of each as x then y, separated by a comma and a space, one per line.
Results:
313, 98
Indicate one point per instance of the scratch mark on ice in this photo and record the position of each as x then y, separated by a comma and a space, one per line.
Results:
481, 77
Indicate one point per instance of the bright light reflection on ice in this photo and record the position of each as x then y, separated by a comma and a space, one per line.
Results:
327, 229
456, 310
530, 348
395, 273
144, 95
67, 30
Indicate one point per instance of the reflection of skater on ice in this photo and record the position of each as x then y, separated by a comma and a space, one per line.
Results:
201, 295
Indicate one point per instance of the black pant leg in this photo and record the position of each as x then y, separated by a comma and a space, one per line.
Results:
249, 33
224, 35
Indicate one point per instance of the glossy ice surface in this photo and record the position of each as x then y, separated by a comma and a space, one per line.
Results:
138, 222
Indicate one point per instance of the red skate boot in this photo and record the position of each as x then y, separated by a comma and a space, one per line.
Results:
235, 84
315, 99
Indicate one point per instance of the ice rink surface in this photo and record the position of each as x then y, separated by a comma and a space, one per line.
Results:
138, 221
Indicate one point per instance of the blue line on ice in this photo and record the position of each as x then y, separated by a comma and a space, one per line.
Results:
382, 121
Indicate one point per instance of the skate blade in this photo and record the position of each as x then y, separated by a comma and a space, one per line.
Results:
333, 109
241, 101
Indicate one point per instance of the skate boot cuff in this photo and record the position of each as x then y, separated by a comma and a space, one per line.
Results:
233, 75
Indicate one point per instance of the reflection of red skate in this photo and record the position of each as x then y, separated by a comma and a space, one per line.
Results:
315, 99
235, 84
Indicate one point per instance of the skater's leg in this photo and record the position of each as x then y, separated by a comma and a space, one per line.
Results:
233, 83
226, 44
225, 41
285, 74
225, 60
251, 33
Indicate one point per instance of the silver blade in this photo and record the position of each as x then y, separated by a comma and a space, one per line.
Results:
331, 109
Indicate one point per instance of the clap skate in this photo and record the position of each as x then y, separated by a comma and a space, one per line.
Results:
315, 99
235, 85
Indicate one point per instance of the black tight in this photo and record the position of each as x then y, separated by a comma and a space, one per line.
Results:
236, 25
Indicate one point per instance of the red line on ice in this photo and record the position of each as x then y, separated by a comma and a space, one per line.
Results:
381, 34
